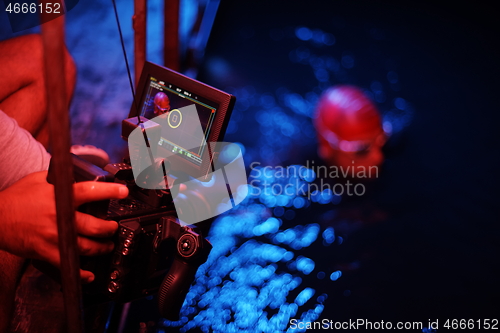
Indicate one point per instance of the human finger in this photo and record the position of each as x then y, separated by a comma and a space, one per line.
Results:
86, 276
52, 257
95, 191
91, 226
94, 247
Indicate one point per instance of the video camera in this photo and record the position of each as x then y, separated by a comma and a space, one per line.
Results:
173, 132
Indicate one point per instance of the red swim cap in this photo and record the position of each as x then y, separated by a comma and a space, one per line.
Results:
162, 103
349, 128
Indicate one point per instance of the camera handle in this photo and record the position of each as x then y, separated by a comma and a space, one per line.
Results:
191, 250
174, 288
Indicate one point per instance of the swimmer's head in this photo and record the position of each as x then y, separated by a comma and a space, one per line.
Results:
162, 103
349, 128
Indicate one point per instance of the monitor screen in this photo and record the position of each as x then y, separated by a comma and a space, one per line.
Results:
171, 98
164, 99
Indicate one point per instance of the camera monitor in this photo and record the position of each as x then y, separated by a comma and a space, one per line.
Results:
165, 93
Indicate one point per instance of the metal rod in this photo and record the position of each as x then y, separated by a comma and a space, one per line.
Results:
59, 127
171, 36
139, 23
132, 89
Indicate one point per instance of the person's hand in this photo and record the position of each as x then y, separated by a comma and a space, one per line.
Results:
28, 226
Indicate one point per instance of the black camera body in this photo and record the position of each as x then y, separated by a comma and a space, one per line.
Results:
153, 253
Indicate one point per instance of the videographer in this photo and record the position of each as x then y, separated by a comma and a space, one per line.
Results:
28, 228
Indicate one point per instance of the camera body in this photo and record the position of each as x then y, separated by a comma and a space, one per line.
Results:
153, 253
174, 130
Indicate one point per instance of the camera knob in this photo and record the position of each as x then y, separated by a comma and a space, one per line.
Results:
115, 275
113, 287
187, 245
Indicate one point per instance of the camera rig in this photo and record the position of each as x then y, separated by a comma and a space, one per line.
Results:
153, 252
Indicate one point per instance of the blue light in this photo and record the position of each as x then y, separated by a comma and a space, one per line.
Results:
232, 127
280, 238
282, 200
307, 174
290, 235
319, 308
325, 196
242, 282
279, 211
303, 33
268, 199
298, 105
305, 265
322, 75
270, 226
264, 118
298, 202
256, 262
335, 275
322, 298
400, 103
254, 190
287, 129
318, 36
329, 235
267, 100
288, 256
304, 296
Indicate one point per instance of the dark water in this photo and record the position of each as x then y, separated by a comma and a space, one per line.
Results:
424, 239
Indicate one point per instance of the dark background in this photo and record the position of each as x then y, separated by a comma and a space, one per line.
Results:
434, 254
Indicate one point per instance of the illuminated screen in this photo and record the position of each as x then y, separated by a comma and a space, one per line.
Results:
165, 99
